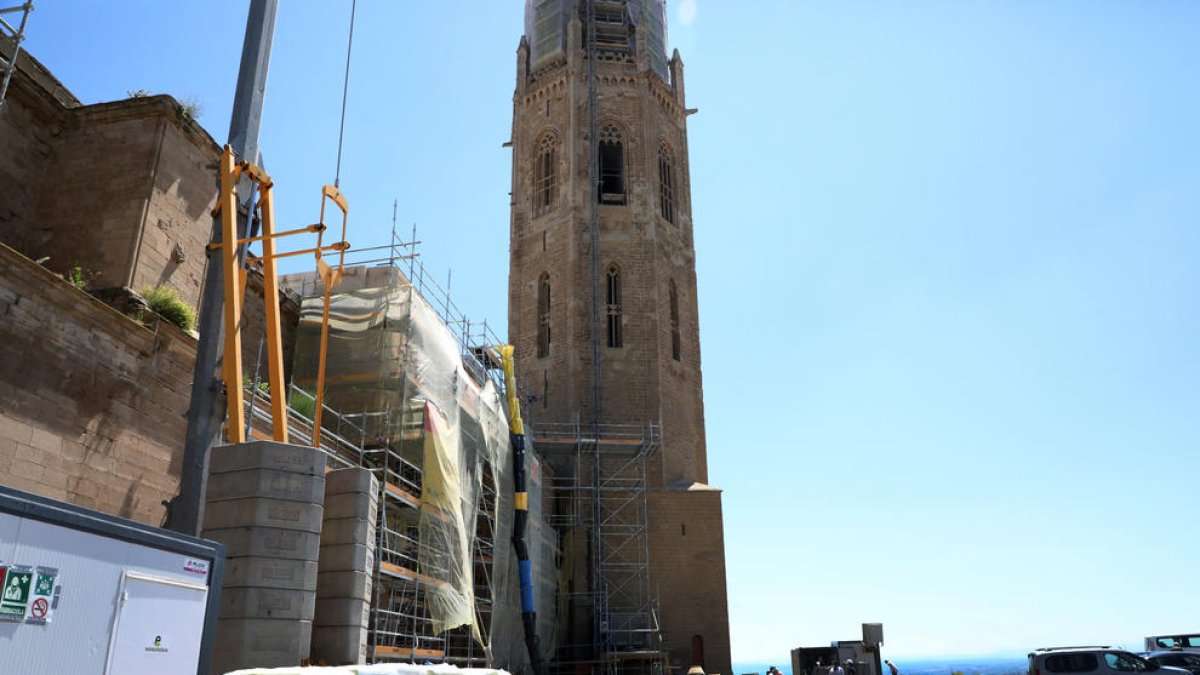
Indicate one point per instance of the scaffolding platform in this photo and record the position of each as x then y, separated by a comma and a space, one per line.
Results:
599, 492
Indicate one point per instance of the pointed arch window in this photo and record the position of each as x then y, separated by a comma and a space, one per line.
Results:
545, 178
666, 183
613, 307
674, 302
612, 165
543, 316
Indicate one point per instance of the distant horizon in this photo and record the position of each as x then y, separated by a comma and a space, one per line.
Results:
999, 656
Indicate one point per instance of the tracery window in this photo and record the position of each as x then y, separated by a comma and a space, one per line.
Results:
666, 183
674, 302
613, 307
612, 165
545, 177
543, 316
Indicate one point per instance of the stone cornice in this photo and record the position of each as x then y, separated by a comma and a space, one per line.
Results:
163, 106
41, 88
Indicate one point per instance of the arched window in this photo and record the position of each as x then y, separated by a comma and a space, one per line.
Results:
613, 307
674, 300
544, 174
612, 165
666, 183
543, 316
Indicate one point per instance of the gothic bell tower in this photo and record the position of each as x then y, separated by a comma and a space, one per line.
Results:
602, 283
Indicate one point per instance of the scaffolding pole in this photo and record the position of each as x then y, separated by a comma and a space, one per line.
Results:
15, 34
604, 497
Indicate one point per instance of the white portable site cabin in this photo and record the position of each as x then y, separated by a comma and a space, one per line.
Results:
90, 594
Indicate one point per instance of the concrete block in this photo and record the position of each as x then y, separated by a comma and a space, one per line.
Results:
340, 645
300, 575
353, 585
260, 643
342, 481
351, 505
342, 612
347, 558
270, 455
263, 512
266, 483
267, 542
267, 603
348, 531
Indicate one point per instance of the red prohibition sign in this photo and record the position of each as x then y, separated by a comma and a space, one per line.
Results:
39, 608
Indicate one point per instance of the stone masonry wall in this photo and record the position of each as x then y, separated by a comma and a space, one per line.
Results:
642, 380
28, 133
687, 556
92, 404
123, 190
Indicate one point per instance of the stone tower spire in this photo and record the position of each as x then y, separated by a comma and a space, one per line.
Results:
602, 278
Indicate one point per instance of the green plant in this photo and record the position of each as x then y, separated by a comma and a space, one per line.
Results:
190, 109
79, 277
303, 403
137, 93
167, 304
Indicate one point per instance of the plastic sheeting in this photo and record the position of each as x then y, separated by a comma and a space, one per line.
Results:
394, 365
654, 19
546, 29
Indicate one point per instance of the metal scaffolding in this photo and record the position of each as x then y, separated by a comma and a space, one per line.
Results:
16, 35
384, 401
601, 505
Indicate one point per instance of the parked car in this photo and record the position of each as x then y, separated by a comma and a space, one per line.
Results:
1179, 659
1188, 642
1094, 661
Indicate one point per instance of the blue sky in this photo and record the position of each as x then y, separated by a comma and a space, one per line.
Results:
948, 266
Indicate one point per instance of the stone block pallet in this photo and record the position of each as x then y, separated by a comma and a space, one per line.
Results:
265, 502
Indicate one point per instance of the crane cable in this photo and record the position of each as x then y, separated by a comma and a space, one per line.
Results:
337, 176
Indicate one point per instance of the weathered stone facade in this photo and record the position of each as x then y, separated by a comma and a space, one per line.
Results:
645, 381
122, 190
93, 403
651, 366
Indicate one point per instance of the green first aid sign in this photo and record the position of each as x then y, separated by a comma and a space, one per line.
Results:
15, 596
45, 581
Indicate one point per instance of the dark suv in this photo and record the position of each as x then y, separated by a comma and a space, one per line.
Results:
1179, 659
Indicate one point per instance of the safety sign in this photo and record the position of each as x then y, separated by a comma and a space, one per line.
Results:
44, 595
39, 608
14, 599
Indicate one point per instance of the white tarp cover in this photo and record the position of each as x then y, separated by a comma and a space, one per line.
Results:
389, 350
382, 669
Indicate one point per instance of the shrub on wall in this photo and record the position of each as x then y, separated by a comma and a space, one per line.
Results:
167, 304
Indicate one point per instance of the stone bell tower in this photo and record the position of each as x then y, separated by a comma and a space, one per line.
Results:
602, 282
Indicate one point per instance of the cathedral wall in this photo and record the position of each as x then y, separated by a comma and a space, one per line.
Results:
687, 556
122, 190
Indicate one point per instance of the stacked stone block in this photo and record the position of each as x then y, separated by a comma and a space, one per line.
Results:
346, 567
265, 503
